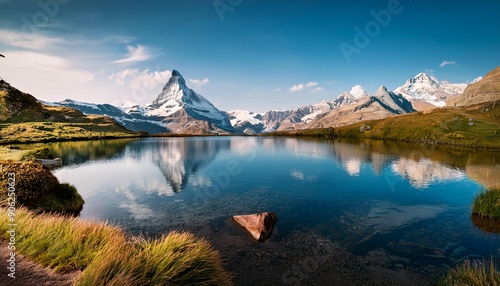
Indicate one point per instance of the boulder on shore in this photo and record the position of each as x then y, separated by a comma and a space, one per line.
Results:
260, 226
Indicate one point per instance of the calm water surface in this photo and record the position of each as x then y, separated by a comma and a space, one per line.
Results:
400, 207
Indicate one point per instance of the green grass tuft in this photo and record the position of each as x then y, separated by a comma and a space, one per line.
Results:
65, 200
487, 204
58, 242
474, 273
38, 153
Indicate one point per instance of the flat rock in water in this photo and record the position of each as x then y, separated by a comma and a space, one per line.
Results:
260, 226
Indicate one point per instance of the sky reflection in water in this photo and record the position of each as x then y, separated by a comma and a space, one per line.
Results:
365, 194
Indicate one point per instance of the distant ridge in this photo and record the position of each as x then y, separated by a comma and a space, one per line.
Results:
485, 90
382, 104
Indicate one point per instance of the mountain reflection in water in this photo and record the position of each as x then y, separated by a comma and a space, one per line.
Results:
391, 205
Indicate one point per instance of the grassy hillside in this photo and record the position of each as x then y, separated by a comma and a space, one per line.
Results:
474, 126
24, 119
39, 131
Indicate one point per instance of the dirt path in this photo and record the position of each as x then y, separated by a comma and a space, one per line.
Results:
30, 273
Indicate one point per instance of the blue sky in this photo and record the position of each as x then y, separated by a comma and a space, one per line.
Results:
241, 54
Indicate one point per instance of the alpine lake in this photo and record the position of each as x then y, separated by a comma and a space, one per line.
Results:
349, 212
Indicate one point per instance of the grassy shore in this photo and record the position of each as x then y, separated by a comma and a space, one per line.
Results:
485, 215
31, 132
107, 256
487, 204
11, 153
474, 273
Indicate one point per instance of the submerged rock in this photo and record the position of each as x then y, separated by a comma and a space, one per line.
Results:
260, 226
459, 252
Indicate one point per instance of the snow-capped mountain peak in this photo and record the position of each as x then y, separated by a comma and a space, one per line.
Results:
429, 89
173, 93
176, 98
358, 92
423, 79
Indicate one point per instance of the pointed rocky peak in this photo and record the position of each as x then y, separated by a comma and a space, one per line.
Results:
4, 84
382, 90
176, 100
174, 92
176, 73
396, 104
423, 79
175, 82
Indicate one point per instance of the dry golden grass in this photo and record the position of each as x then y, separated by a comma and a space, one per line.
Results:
108, 257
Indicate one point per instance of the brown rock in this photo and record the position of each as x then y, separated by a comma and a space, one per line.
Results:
260, 226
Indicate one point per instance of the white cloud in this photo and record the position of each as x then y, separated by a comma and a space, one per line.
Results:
199, 82
297, 87
135, 54
136, 79
277, 89
27, 41
448, 63
138, 87
477, 79
121, 76
150, 80
311, 84
44, 76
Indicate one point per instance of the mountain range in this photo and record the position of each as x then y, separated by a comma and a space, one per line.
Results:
179, 109
382, 104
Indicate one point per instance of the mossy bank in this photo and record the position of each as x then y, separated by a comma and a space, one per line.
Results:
30, 184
